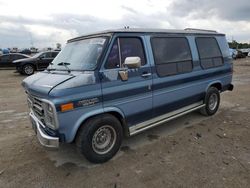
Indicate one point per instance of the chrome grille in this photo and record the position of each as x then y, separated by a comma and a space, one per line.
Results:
36, 106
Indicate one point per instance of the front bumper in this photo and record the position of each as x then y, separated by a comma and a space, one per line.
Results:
44, 139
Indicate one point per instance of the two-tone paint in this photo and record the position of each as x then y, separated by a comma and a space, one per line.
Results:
143, 101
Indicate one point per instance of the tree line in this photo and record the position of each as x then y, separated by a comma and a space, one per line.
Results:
236, 45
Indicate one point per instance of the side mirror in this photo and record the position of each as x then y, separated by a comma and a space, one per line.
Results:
132, 62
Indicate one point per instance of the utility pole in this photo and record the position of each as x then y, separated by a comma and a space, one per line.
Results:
31, 40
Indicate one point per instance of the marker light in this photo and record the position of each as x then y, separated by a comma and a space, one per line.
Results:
66, 107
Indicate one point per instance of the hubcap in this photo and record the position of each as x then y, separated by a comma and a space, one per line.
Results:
104, 139
213, 101
28, 69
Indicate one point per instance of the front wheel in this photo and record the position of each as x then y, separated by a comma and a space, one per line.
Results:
212, 102
100, 138
28, 69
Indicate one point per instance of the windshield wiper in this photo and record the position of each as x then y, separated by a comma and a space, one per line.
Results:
65, 64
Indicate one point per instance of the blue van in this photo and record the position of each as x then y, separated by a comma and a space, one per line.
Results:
107, 85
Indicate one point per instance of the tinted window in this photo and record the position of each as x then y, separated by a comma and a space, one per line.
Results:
209, 51
17, 56
54, 54
5, 58
171, 55
46, 55
113, 58
129, 47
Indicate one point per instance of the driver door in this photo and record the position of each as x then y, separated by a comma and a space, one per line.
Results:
44, 60
132, 97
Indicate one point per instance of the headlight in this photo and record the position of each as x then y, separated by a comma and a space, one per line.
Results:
50, 109
49, 116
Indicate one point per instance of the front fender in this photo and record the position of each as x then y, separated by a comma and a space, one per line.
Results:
88, 115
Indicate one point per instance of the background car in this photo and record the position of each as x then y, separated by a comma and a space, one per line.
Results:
5, 51
233, 53
38, 62
6, 59
26, 51
240, 54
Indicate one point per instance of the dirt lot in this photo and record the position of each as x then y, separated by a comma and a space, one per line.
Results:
192, 151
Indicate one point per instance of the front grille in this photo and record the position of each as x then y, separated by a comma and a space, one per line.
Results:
36, 106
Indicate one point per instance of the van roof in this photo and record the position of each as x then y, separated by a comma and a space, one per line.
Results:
147, 30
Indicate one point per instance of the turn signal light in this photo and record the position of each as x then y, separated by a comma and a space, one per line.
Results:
66, 107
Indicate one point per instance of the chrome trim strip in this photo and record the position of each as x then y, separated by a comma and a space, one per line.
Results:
44, 139
164, 118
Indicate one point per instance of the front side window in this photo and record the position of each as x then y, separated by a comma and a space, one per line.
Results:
54, 54
123, 48
209, 51
80, 55
172, 55
47, 55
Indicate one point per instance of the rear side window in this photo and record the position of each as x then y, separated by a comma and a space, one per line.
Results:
17, 56
5, 58
172, 55
122, 48
209, 51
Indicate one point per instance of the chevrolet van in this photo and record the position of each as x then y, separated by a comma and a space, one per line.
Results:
107, 85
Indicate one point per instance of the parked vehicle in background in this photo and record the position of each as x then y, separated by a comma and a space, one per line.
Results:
245, 51
7, 59
233, 53
38, 62
117, 83
5, 51
33, 50
240, 54
26, 51
14, 50
248, 54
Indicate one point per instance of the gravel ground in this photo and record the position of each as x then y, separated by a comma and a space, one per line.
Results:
192, 151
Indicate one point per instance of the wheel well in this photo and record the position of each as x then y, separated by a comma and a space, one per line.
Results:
116, 114
217, 85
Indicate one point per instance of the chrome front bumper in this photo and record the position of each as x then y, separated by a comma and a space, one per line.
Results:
44, 139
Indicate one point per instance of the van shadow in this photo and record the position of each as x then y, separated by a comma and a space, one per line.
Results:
67, 152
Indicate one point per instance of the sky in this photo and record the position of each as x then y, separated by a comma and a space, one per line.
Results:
43, 23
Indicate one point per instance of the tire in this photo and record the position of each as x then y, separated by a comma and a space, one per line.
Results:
100, 138
28, 69
212, 102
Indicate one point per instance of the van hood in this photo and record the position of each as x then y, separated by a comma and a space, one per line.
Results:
40, 84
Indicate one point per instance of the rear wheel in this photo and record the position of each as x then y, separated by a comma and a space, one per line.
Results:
100, 138
212, 102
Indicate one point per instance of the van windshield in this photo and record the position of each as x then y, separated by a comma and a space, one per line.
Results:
79, 55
